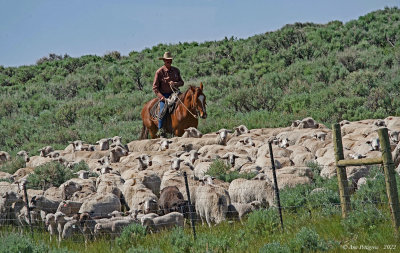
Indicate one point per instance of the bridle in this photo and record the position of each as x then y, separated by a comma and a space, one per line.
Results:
187, 109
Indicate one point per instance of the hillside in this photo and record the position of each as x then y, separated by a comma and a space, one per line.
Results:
328, 71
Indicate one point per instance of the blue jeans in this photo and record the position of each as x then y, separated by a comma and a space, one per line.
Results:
162, 103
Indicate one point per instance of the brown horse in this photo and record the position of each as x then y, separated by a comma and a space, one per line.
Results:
190, 106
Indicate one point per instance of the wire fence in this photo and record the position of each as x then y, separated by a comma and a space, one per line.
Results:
15, 211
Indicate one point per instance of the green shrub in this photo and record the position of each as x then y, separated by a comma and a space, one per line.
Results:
48, 175
180, 241
141, 249
365, 217
13, 165
294, 199
220, 170
131, 235
274, 247
307, 239
263, 221
16, 243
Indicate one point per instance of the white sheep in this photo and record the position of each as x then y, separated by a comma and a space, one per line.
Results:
222, 136
239, 130
192, 132
164, 144
116, 153
175, 163
104, 143
247, 141
51, 224
144, 162
374, 144
45, 151
23, 154
162, 222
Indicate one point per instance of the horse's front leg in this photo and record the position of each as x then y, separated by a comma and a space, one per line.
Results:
179, 132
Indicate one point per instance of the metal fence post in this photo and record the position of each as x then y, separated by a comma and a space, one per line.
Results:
390, 177
271, 154
190, 205
27, 206
341, 170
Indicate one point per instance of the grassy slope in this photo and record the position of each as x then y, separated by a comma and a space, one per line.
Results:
330, 72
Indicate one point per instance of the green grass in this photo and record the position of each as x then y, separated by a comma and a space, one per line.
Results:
301, 229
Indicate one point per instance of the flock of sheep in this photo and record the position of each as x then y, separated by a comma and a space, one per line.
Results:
142, 181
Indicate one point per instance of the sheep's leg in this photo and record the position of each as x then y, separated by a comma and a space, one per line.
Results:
208, 219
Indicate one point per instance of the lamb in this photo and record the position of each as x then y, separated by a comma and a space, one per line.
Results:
23, 154
51, 224
45, 151
211, 203
243, 209
104, 143
164, 144
162, 222
71, 227
61, 219
116, 153
222, 136
239, 130
192, 132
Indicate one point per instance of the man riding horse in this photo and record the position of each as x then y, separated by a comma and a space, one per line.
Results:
166, 80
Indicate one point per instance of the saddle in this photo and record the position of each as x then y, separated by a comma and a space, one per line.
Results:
169, 107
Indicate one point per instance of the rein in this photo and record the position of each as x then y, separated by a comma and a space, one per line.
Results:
187, 109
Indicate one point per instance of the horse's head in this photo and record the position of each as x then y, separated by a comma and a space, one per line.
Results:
199, 101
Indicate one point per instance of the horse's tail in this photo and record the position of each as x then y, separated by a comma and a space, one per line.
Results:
144, 133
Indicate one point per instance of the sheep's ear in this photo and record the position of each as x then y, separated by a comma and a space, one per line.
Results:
229, 131
225, 156
236, 156
187, 130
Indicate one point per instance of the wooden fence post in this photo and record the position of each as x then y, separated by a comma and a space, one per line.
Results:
341, 170
390, 178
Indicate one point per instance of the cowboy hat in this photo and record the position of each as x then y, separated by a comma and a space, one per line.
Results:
166, 56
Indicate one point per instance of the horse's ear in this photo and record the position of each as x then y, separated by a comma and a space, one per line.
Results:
201, 86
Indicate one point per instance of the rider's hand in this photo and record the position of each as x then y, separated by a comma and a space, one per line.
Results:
161, 98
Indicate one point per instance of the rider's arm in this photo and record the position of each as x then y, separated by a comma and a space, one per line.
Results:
156, 86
